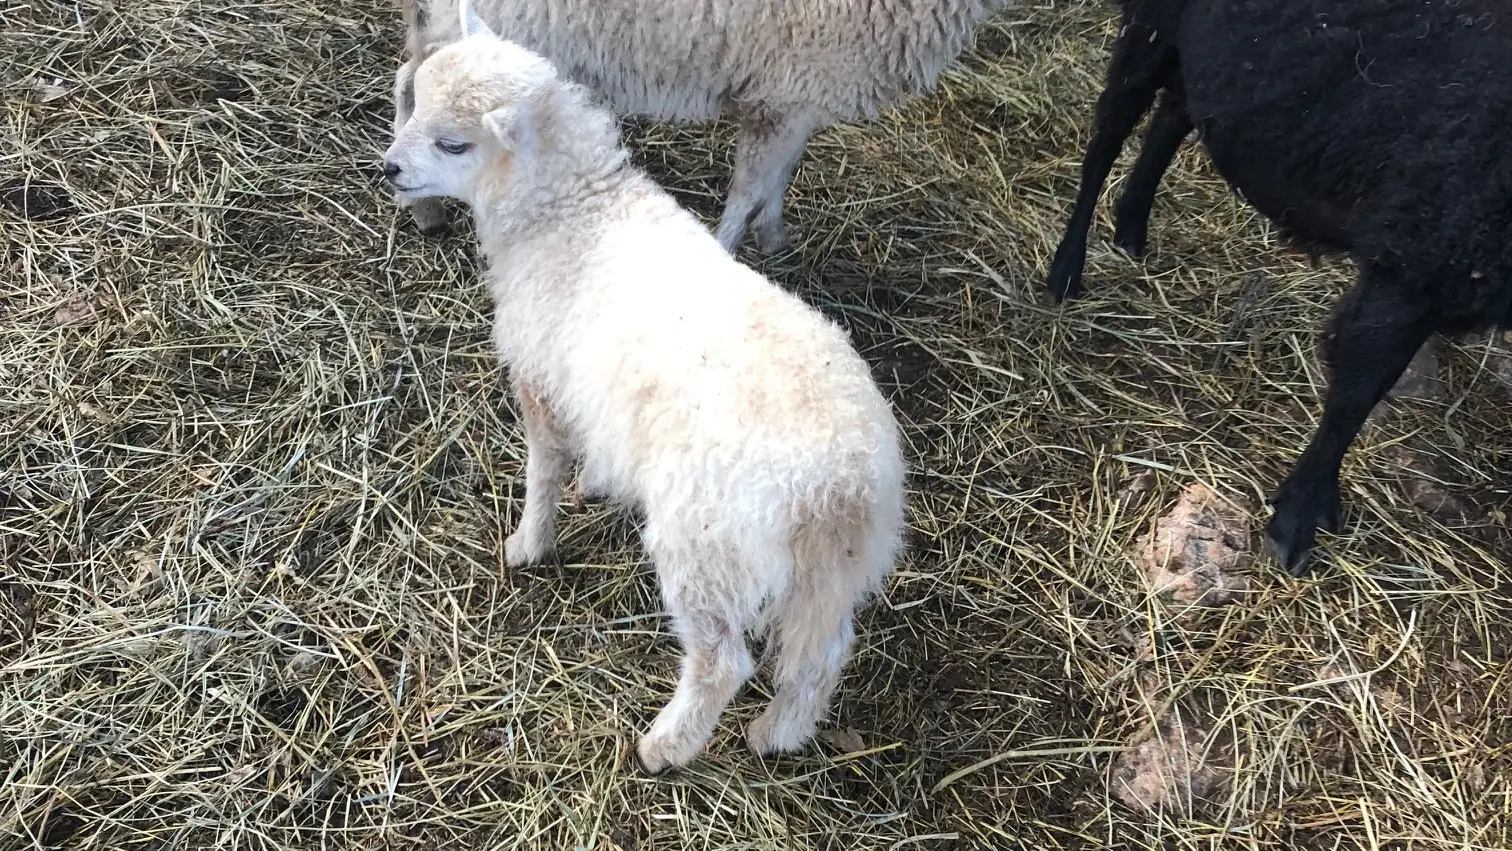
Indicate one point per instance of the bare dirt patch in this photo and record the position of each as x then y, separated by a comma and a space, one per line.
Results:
1195, 551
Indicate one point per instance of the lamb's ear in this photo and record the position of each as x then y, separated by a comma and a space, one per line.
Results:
472, 24
513, 127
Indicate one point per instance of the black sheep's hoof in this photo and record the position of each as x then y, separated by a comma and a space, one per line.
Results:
1328, 512
1291, 543
1065, 279
1133, 241
1131, 228
1293, 529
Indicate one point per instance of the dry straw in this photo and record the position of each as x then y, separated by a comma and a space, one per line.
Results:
257, 463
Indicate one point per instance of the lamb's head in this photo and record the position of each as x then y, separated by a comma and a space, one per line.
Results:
478, 105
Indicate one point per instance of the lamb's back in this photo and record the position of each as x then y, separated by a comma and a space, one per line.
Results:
685, 365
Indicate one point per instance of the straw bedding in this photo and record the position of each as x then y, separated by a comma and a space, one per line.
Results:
257, 464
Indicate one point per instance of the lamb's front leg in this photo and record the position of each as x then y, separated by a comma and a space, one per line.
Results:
546, 464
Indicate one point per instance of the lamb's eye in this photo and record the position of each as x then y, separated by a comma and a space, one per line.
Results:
451, 147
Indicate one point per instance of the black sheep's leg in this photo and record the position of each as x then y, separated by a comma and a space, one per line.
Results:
1373, 335
1131, 212
1134, 77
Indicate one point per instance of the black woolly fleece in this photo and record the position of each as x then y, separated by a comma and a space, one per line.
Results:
1384, 125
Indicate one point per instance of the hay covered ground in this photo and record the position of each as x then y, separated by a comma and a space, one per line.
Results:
257, 465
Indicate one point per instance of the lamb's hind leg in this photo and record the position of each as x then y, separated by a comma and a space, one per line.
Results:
429, 213
716, 663
814, 634
712, 593
767, 149
1373, 335
837, 565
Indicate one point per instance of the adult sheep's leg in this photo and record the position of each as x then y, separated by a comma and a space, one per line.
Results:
767, 149
1373, 335
1131, 212
1134, 77
546, 465
428, 213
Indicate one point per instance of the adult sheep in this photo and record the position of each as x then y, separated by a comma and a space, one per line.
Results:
1380, 128
782, 69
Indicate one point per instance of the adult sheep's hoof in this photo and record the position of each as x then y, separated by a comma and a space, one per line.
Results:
1300, 513
772, 238
430, 217
1133, 239
434, 231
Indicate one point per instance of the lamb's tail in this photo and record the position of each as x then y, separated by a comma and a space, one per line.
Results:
839, 560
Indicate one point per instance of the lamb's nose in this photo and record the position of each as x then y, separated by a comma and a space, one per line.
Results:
391, 170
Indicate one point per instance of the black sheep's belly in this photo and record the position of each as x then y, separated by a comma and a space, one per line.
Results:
1310, 219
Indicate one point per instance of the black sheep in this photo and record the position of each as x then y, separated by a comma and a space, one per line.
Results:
1380, 128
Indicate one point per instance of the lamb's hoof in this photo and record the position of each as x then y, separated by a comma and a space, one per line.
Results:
659, 755
767, 736
588, 495
520, 550
1065, 279
1292, 530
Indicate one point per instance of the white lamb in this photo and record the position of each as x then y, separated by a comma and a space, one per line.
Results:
739, 419
781, 68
